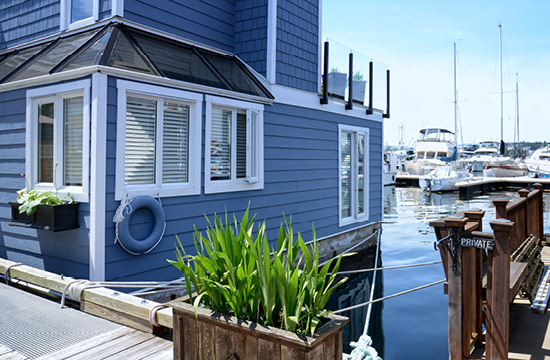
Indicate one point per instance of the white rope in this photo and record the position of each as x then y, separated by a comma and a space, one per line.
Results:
119, 216
388, 297
386, 268
362, 348
74, 288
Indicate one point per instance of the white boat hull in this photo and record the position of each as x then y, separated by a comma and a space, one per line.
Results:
443, 179
505, 171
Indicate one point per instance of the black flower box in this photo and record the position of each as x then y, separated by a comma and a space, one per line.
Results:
47, 217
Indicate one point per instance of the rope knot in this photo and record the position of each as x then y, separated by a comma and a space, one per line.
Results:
363, 349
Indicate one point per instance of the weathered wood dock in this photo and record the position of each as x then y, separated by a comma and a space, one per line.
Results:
125, 343
514, 257
111, 324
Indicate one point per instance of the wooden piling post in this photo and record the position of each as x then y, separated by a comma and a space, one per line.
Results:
475, 271
457, 331
500, 208
498, 292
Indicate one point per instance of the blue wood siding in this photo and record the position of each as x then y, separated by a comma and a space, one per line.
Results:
26, 20
298, 44
208, 22
22, 21
301, 180
63, 252
251, 33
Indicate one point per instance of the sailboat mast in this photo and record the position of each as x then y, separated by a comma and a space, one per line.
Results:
501, 96
517, 109
455, 101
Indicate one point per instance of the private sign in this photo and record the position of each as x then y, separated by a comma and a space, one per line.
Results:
477, 243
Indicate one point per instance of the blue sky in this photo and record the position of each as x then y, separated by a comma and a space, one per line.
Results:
415, 40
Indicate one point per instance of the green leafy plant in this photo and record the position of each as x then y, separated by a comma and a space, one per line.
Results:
357, 76
236, 273
334, 70
29, 199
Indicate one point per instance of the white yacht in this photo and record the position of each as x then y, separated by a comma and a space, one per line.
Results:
486, 153
432, 145
539, 162
443, 178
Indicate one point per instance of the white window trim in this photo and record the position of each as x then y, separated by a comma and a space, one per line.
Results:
34, 96
256, 183
355, 217
65, 15
194, 100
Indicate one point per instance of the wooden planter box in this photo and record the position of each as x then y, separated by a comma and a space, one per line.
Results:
222, 337
47, 217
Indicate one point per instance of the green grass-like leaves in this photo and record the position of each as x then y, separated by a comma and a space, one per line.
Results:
235, 272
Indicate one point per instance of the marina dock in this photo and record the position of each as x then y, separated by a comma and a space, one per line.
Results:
38, 328
480, 184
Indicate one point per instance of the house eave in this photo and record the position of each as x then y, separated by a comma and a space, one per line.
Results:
129, 75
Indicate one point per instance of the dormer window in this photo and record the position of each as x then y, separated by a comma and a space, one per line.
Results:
76, 13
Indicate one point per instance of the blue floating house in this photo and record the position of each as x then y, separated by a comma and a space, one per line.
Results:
181, 109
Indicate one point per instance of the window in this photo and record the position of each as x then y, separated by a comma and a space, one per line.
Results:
158, 141
57, 138
75, 13
234, 145
353, 164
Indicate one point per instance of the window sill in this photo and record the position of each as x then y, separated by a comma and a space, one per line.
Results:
214, 187
156, 191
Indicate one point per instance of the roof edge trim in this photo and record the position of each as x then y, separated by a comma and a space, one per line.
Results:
129, 75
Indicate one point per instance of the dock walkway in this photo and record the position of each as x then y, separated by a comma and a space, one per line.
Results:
529, 331
32, 327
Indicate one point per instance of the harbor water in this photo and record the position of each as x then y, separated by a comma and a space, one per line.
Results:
414, 325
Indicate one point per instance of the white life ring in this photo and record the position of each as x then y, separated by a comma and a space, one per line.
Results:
125, 238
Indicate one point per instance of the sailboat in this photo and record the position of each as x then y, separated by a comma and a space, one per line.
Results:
444, 178
504, 166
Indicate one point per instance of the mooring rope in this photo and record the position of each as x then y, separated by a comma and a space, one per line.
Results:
386, 268
388, 297
119, 214
362, 349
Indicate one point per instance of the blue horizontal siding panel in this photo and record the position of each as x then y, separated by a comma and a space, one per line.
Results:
300, 180
208, 22
65, 252
297, 44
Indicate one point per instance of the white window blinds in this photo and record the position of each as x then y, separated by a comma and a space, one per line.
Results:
175, 157
140, 141
220, 144
345, 173
45, 142
72, 149
241, 145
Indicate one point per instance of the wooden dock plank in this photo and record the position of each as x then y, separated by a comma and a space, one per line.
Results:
146, 348
113, 346
163, 354
86, 345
